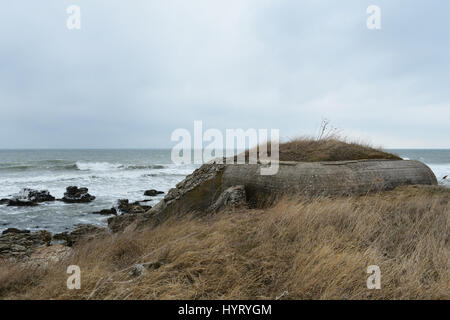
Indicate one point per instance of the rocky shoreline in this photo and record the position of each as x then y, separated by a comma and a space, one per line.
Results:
21, 245
214, 187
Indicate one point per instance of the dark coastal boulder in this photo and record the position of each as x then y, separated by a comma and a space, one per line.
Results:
21, 203
28, 197
129, 212
77, 195
38, 195
20, 244
152, 193
125, 207
14, 230
106, 212
83, 231
233, 197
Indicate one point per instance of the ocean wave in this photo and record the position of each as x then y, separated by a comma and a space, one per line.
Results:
142, 167
107, 166
51, 161
97, 166
164, 174
45, 166
16, 167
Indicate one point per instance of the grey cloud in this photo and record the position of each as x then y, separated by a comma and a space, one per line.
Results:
137, 71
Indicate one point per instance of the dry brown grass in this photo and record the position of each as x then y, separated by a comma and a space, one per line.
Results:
312, 249
329, 149
332, 148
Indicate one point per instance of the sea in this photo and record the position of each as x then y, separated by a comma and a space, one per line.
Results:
111, 175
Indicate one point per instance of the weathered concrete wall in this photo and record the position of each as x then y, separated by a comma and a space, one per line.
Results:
328, 178
202, 188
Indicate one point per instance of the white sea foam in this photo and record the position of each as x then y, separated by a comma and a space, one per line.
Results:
97, 166
107, 166
440, 171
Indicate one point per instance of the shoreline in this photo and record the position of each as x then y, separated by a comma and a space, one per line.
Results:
101, 204
126, 212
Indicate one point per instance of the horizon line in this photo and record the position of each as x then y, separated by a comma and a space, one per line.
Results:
169, 148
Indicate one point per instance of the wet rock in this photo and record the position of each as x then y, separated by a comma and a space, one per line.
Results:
14, 230
152, 192
38, 195
138, 206
125, 207
20, 244
63, 236
28, 197
77, 195
84, 231
232, 197
21, 203
106, 212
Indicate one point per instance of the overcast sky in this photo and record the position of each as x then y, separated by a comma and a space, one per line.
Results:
137, 70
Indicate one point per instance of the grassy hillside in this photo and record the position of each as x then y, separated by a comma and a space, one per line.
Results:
300, 248
328, 149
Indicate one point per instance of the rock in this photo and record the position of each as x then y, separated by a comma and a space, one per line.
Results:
232, 197
197, 191
21, 203
84, 231
152, 192
28, 197
14, 230
129, 212
62, 236
138, 206
123, 205
140, 268
137, 270
38, 195
77, 195
131, 208
106, 212
20, 244
119, 223
44, 256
